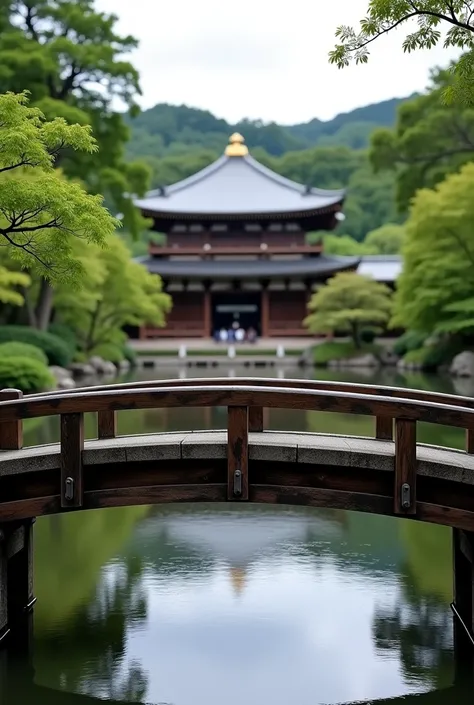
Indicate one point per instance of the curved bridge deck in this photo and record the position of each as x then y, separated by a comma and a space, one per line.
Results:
283, 467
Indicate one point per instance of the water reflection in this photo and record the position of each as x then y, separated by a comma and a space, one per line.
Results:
191, 605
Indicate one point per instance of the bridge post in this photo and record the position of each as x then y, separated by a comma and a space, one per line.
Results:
463, 605
16, 577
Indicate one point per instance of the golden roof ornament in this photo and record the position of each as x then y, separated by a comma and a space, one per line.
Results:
236, 146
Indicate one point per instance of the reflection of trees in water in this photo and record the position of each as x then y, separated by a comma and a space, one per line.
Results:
419, 626
90, 656
420, 632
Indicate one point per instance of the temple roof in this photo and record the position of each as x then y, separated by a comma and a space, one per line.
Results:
248, 269
237, 184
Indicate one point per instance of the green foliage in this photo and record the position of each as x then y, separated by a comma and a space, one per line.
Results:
430, 140
15, 349
9, 283
435, 292
339, 350
347, 302
116, 293
386, 240
25, 373
41, 212
71, 59
109, 351
430, 357
130, 354
66, 333
410, 340
56, 350
345, 245
438, 20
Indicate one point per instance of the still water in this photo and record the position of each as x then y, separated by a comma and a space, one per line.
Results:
206, 605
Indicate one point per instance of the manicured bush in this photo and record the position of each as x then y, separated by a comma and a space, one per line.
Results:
367, 335
411, 340
56, 350
15, 349
25, 373
61, 330
430, 357
130, 354
109, 351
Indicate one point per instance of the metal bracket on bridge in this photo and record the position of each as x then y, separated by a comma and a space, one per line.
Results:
69, 491
237, 483
405, 498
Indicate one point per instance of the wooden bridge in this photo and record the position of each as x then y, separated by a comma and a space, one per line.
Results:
388, 474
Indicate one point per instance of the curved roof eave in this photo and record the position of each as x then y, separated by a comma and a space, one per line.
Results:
245, 269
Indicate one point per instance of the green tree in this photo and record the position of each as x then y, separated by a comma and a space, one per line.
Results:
10, 282
346, 303
41, 212
70, 57
435, 292
116, 293
345, 245
429, 141
386, 240
433, 18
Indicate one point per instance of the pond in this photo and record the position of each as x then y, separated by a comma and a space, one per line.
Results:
205, 605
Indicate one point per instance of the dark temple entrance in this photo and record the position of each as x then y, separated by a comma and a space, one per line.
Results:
245, 308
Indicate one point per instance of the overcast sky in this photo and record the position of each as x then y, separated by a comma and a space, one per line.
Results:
262, 59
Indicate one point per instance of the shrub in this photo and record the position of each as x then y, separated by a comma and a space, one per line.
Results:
430, 357
61, 330
109, 351
130, 354
25, 373
367, 335
411, 340
15, 349
55, 349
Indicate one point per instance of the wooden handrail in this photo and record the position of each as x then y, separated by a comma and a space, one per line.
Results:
271, 395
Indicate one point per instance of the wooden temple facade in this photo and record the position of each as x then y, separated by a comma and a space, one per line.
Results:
236, 248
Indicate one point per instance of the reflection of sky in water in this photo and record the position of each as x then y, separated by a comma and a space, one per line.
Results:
277, 612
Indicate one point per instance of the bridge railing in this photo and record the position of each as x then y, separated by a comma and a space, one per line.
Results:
244, 400
107, 422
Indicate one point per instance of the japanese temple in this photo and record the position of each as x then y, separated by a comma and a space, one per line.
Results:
236, 247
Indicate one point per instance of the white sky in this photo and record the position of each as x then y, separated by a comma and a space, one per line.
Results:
263, 58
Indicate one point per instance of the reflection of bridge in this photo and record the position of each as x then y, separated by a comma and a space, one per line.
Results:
389, 475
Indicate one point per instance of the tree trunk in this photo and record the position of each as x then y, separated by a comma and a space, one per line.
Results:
44, 307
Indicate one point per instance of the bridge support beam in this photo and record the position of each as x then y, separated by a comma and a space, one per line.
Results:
463, 564
16, 576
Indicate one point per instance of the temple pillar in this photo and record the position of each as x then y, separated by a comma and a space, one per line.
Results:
265, 311
207, 316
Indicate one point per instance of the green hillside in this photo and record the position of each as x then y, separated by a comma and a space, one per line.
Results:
177, 129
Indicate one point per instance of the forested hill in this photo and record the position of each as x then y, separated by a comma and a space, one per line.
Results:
173, 130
